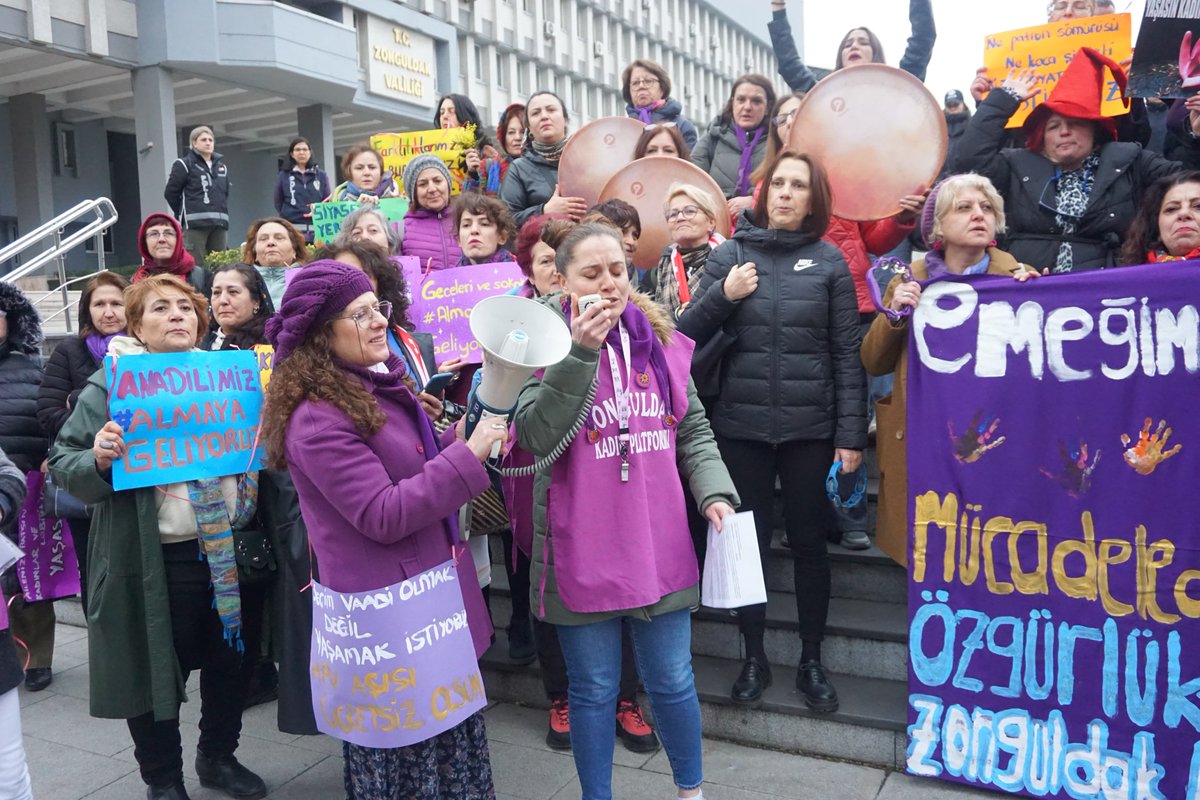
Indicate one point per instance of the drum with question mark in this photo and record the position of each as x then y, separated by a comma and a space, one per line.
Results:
644, 184
594, 153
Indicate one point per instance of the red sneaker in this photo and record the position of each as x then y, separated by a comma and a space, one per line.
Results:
635, 733
559, 735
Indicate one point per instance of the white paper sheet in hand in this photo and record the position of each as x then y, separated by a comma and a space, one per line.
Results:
733, 574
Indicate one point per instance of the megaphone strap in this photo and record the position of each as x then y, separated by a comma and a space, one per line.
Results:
621, 391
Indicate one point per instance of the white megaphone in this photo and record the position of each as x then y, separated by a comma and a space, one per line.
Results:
518, 337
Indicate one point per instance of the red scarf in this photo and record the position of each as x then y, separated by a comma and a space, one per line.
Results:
681, 276
1156, 257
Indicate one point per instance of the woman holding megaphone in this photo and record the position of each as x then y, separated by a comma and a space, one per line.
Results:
611, 543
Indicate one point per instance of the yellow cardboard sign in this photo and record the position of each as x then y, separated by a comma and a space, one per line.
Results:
398, 149
1048, 49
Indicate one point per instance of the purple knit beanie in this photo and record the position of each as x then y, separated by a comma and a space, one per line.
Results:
927, 215
319, 292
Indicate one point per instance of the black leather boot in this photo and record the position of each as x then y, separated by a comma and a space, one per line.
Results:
175, 791
813, 682
749, 687
225, 774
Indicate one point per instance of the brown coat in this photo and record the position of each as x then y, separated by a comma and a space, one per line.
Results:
884, 350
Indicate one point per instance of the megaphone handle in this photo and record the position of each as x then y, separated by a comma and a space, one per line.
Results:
485, 418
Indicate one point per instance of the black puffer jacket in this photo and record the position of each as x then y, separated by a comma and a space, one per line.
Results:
528, 183
67, 372
793, 373
1026, 180
198, 191
21, 436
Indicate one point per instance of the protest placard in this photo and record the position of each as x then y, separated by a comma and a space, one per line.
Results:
327, 217
394, 666
450, 145
186, 415
1054, 578
1048, 49
443, 299
266, 363
49, 568
1166, 62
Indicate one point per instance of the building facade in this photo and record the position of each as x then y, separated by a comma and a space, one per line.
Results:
97, 96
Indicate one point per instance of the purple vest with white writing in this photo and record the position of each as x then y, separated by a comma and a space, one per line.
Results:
623, 545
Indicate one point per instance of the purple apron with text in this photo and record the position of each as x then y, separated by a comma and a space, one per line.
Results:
621, 545
49, 569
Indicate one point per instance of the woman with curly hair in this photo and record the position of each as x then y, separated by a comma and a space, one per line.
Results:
380, 494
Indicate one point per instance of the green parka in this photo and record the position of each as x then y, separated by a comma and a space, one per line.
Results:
132, 666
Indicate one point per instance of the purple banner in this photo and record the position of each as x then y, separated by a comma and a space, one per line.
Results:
49, 569
1054, 583
394, 666
442, 301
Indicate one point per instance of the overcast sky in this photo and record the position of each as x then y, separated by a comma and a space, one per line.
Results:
961, 26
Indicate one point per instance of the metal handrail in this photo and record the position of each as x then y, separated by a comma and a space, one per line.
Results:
105, 216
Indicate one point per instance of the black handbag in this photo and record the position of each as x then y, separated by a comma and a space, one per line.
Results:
708, 358
255, 555
57, 502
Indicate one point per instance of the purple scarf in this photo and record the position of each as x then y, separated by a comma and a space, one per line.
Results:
97, 345
644, 346
744, 166
646, 113
935, 265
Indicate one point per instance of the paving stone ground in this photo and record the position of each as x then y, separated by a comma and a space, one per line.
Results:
73, 756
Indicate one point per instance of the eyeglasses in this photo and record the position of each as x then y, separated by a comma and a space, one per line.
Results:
163, 234
655, 126
782, 118
366, 316
685, 213
643, 82
1076, 5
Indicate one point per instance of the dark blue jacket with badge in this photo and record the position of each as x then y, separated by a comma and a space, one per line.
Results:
198, 192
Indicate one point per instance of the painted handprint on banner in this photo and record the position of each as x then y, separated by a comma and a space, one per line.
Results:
1147, 453
1076, 475
978, 438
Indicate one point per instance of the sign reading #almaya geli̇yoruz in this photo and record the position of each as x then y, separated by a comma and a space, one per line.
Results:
442, 301
327, 218
1048, 49
1054, 577
185, 415
394, 666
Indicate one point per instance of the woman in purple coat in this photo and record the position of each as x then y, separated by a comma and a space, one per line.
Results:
379, 493
429, 223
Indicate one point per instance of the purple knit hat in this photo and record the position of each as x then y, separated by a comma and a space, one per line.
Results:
927, 215
319, 292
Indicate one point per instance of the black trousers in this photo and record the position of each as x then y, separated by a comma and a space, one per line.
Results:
801, 468
518, 578
199, 644
79, 529
554, 666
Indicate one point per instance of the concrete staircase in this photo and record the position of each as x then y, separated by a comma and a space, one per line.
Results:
866, 651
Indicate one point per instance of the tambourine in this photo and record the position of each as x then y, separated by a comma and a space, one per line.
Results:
879, 277
644, 184
594, 153
833, 493
879, 134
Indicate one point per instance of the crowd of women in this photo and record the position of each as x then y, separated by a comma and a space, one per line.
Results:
753, 353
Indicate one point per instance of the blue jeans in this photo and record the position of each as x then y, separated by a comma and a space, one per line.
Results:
663, 647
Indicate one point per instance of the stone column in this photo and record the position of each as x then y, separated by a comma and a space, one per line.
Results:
154, 128
315, 123
32, 161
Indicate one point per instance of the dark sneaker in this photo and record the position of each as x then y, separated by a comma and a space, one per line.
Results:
635, 733
813, 682
855, 540
559, 735
521, 649
38, 678
226, 775
749, 687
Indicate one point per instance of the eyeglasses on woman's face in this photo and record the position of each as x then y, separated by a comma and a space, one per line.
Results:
640, 82
685, 213
365, 316
782, 119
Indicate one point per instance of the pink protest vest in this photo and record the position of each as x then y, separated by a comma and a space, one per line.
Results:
622, 545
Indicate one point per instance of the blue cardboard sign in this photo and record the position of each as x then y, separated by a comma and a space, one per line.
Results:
185, 415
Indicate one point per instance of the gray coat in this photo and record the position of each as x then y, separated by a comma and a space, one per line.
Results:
719, 154
529, 182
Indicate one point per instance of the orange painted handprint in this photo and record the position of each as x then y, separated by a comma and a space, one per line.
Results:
1148, 453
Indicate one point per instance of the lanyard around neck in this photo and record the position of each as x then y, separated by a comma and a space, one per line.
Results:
622, 391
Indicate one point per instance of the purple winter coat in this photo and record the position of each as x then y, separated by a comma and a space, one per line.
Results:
429, 234
380, 509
